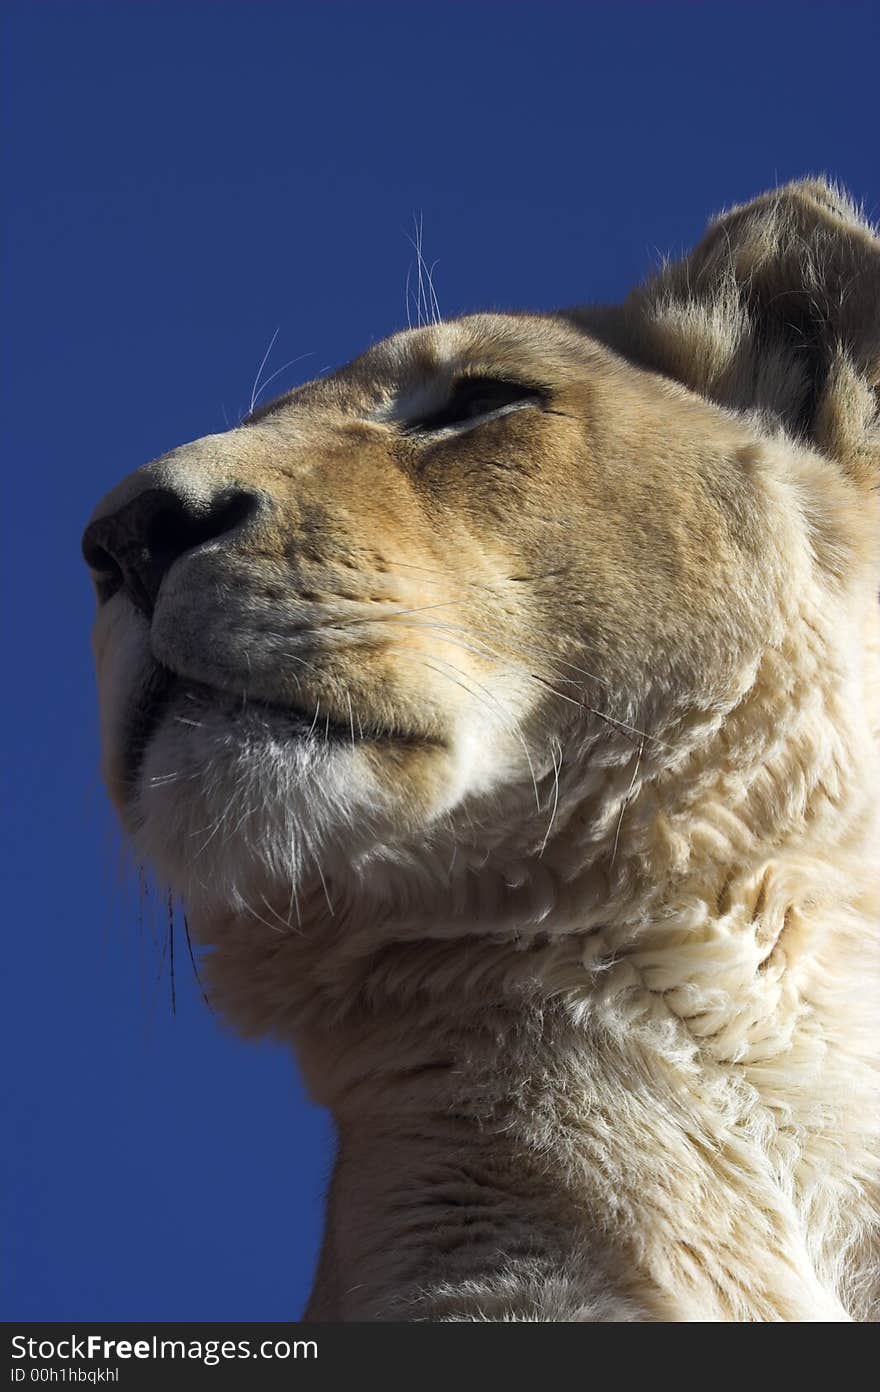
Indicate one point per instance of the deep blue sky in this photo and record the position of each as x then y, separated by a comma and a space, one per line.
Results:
180, 180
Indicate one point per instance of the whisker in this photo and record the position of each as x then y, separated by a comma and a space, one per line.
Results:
483, 650
433, 570
285, 927
260, 368
216, 827
547, 685
317, 865
600, 715
435, 304
277, 373
625, 803
194, 966
556, 771
161, 780
260, 919
385, 618
315, 721
461, 679
350, 718
524, 647
425, 298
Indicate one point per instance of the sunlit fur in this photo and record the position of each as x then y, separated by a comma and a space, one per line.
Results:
577, 932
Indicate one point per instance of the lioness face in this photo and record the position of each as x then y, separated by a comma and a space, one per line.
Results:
440, 613
396, 604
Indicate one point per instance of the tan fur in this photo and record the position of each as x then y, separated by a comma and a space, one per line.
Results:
576, 930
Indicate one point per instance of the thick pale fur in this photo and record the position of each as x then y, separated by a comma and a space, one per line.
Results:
577, 933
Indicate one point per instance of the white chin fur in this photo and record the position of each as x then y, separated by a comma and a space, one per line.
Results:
229, 812
234, 807
227, 807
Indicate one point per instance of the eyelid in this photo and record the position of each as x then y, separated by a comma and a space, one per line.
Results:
512, 395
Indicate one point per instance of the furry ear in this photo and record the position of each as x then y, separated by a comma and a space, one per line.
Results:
776, 310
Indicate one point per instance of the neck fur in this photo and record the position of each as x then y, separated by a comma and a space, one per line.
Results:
654, 1063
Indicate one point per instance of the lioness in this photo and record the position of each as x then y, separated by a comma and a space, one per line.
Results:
500, 708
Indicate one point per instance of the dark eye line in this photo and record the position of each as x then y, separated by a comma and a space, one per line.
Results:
470, 392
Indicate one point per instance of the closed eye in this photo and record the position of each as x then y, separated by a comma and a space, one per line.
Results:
473, 399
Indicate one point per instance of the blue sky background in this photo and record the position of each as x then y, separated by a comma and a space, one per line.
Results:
181, 180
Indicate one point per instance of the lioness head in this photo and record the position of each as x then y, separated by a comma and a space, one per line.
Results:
414, 643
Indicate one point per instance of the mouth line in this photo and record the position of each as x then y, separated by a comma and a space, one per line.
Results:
163, 684
322, 727
145, 719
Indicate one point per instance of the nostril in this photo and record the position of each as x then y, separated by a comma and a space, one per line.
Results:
135, 547
173, 529
234, 509
107, 575
170, 532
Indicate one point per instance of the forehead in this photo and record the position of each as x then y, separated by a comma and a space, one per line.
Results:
543, 350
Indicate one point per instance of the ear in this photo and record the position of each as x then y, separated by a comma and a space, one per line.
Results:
776, 310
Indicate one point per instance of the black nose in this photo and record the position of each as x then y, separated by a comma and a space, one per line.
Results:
135, 548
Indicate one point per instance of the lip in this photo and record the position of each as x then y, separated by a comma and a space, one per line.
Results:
163, 685
299, 723
314, 723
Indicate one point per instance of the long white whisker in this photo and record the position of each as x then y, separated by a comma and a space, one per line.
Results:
350, 718
277, 373
542, 681
262, 365
600, 715
260, 919
556, 770
421, 263
435, 306
512, 726
317, 864
626, 800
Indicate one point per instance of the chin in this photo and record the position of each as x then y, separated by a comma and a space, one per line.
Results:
239, 807
235, 808
248, 807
